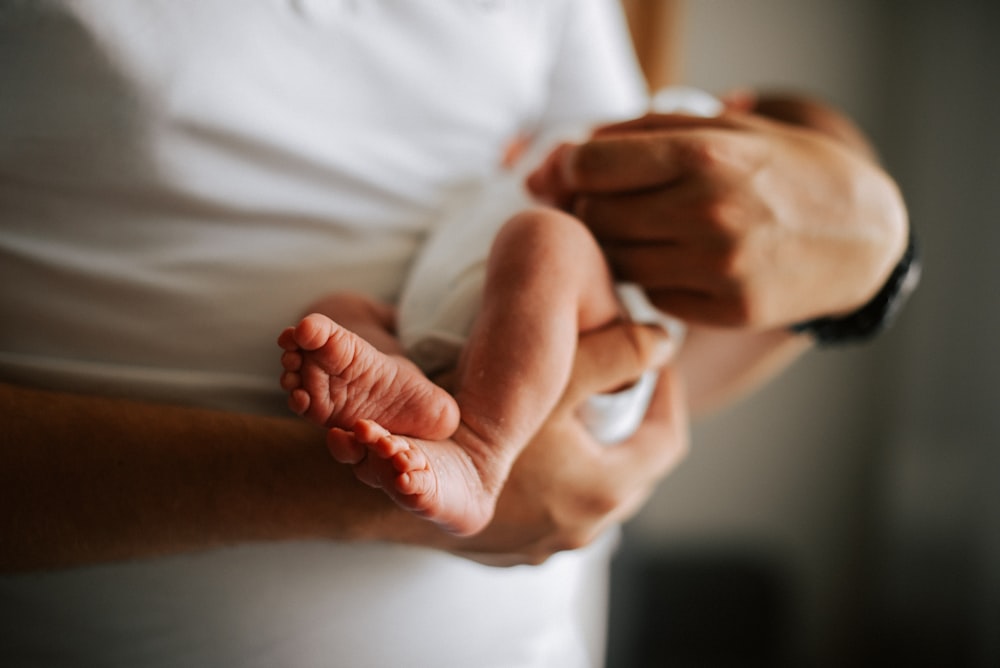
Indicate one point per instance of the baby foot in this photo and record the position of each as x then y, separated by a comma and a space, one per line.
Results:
437, 480
334, 377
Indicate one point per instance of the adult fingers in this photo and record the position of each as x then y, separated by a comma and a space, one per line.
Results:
635, 161
625, 162
632, 469
702, 267
668, 213
655, 121
571, 168
561, 495
703, 308
614, 356
698, 284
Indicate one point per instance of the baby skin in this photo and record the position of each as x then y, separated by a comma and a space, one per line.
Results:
444, 456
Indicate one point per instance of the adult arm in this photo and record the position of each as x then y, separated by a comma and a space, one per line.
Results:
88, 479
743, 225
91, 479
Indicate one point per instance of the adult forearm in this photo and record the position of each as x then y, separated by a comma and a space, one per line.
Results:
720, 366
88, 479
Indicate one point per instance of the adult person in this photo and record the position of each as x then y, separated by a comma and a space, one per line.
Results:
156, 183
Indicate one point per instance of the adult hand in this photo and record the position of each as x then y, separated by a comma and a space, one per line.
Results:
738, 220
566, 489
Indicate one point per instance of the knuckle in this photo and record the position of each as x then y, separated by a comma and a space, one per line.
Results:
710, 153
729, 244
698, 155
575, 540
727, 218
601, 501
731, 264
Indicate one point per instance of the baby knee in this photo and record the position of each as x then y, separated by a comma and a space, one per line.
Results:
542, 229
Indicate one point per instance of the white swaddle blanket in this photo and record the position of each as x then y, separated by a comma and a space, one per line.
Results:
443, 292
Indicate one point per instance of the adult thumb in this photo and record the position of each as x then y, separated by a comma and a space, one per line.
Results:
615, 356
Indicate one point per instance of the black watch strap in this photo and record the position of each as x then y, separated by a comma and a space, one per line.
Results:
875, 316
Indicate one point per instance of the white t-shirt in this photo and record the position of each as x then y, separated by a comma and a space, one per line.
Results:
178, 179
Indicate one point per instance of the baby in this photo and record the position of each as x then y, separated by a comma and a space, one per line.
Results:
501, 359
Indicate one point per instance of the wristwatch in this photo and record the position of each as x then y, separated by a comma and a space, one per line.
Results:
875, 316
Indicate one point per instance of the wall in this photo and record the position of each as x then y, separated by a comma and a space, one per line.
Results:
864, 478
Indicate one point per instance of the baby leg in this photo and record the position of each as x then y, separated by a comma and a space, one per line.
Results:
546, 282
334, 378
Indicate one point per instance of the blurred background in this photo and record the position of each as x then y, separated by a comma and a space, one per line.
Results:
849, 514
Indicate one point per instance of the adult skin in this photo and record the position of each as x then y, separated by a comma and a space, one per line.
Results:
88, 479
774, 213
